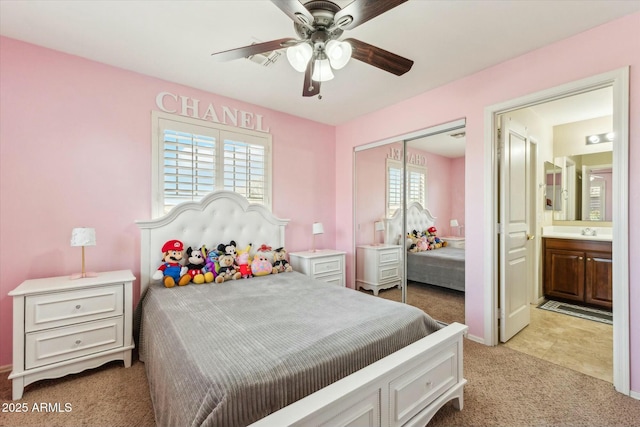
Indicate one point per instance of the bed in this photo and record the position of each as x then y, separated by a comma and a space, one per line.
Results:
283, 349
444, 267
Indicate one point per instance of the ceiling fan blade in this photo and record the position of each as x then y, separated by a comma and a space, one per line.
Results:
380, 58
363, 10
296, 11
243, 52
310, 88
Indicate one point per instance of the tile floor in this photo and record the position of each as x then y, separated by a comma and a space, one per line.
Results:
579, 344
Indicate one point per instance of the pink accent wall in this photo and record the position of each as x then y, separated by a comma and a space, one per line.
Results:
601, 49
75, 150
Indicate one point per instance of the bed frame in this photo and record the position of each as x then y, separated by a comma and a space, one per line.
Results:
418, 218
405, 388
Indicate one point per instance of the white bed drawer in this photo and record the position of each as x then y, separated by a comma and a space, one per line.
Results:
59, 344
418, 387
66, 308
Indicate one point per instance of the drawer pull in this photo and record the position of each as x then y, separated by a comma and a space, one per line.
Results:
78, 342
78, 307
580, 258
429, 384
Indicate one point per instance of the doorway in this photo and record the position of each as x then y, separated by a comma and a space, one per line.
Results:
618, 80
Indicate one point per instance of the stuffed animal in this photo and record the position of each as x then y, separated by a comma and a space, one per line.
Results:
171, 271
227, 268
196, 266
211, 262
280, 263
242, 260
229, 249
261, 266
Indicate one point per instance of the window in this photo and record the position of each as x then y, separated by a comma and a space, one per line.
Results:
416, 185
192, 158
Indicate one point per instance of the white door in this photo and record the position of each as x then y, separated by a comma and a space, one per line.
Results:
514, 213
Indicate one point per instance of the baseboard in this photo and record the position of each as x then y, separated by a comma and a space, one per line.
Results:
635, 394
476, 339
5, 368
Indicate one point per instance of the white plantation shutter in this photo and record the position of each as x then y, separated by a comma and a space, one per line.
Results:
245, 167
416, 185
189, 164
192, 160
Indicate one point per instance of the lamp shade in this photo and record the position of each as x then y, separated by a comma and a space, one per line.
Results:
453, 223
299, 55
379, 226
83, 236
338, 53
322, 71
317, 228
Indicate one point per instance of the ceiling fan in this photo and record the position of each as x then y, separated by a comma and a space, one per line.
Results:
317, 51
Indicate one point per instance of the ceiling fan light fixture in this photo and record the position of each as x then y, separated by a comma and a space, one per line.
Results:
338, 53
299, 55
322, 71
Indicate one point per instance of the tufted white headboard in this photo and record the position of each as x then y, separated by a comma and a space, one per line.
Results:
418, 218
219, 217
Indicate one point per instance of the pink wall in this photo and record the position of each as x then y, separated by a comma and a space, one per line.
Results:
596, 51
75, 150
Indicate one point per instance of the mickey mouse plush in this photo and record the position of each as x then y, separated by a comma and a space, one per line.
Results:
196, 266
171, 271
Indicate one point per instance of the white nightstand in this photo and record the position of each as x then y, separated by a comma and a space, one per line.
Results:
324, 264
454, 242
378, 267
63, 326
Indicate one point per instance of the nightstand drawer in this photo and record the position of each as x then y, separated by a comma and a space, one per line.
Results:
389, 256
388, 273
54, 345
326, 265
333, 279
71, 307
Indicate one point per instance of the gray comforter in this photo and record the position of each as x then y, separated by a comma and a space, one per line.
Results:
229, 354
441, 267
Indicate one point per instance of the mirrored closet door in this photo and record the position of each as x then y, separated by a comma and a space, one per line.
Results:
408, 206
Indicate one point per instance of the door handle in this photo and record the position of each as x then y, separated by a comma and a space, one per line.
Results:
530, 236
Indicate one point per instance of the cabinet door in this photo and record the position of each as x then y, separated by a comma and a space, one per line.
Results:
598, 289
564, 274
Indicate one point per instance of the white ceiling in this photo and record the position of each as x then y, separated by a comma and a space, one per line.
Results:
173, 40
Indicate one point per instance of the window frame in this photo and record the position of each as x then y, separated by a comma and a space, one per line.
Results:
221, 130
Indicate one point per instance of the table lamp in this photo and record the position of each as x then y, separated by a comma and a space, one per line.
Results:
83, 237
454, 224
377, 226
316, 229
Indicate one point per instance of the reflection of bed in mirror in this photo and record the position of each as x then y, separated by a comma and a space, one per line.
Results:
441, 267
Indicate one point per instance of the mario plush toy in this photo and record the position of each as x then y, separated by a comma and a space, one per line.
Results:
171, 271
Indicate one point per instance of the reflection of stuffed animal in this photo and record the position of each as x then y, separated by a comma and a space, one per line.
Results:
227, 268
171, 271
242, 260
280, 263
196, 266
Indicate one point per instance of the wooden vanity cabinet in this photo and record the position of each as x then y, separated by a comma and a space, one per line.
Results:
578, 271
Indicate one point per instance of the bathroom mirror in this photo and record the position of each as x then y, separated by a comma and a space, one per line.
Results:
553, 187
580, 187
